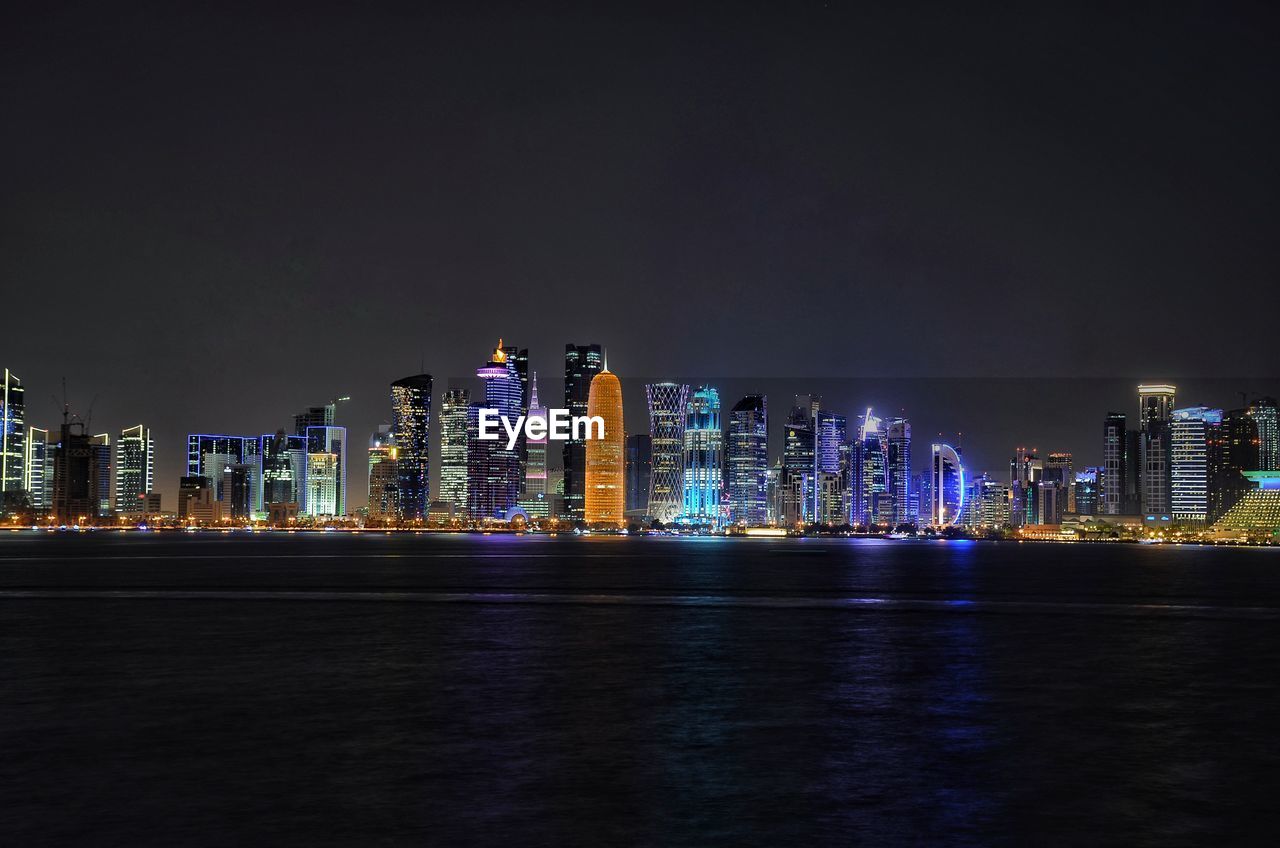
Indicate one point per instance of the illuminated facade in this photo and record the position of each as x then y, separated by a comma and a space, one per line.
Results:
37, 469
494, 484
667, 402
1189, 463
581, 364
135, 470
748, 462
13, 433
326, 457
1258, 510
284, 469
1264, 414
946, 486
384, 475
897, 469
831, 467
605, 497
1118, 483
703, 460
453, 449
1233, 451
534, 497
411, 435
797, 484
1155, 408
870, 501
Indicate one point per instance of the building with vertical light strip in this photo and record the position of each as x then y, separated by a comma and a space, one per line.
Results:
534, 497
946, 486
1155, 408
703, 460
605, 496
581, 364
1189, 431
897, 468
667, 402
384, 476
453, 449
135, 470
13, 433
495, 484
748, 462
37, 470
326, 472
411, 433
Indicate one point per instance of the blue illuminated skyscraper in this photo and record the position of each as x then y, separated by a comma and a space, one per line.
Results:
946, 486
494, 486
897, 469
871, 502
748, 462
703, 460
411, 431
797, 481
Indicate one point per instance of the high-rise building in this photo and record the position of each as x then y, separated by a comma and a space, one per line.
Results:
284, 470
101, 446
13, 434
871, 503
518, 357
38, 470
209, 454
1060, 464
384, 476
534, 498
581, 364
605, 498
453, 449
946, 486
703, 459
798, 484
496, 489
326, 471
238, 491
410, 431
748, 462
1118, 483
1233, 450
316, 416
898, 469
831, 466
667, 402
1155, 408
135, 470
1087, 491
1264, 414
77, 476
1189, 430
639, 473
196, 501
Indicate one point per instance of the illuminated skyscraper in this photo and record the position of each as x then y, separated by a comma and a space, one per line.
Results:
135, 470
101, 446
831, 465
384, 475
13, 434
518, 357
748, 459
1233, 450
411, 432
1264, 414
798, 484
208, 455
870, 502
495, 488
1060, 471
667, 402
703, 459
605, 498
1118, 483
1155, 407
534, 497
946, 486
38, 469
284, 469
327, 471
453, 449
1086, 491
581, 364
897, 469
1189, 463
78, 477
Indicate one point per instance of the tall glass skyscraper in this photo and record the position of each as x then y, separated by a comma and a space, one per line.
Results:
946, 486
897, 469
534, 497
135, 469
581, 364
639, 471
496, 488
284, 469
798, 484
1155, 408
13, 433
605, 498
38, 470
327, 471
667, 402
453, 449
1264, 414
831, 460
384, 475
209, 455
1233, 450
1189, 430
411, 432
872, 503
748, 461
1116, 486
703, 459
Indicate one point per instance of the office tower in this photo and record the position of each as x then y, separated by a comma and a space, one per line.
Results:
326, 479
410, 431
946, 485
209, 454
1025, 473
101, 446
703, 459
1155, 406
1119, 467
534, 498
871, 504
898, 470
831, 467
135, 470
453, 449
639, 472
667, 402
773, 494
495, 489
1264, 414
1233, 450
518, 357
238, 491
384, 476
37, 468
315, 416
284, 470
196, 501
581, 364
748, 461
605, 497
77, 476
1087, 491
1189, 463
13, 434
798, 482
994, 508
923, 484
1061, 463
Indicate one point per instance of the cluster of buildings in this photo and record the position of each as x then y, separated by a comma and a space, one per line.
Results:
694, 465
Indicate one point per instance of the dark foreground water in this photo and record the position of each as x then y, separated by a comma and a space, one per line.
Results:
316, 690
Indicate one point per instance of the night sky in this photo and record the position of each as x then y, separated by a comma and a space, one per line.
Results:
215, 217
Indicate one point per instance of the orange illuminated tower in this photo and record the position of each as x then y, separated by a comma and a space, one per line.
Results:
605, 500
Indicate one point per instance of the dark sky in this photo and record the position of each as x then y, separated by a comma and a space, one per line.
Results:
215, 216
